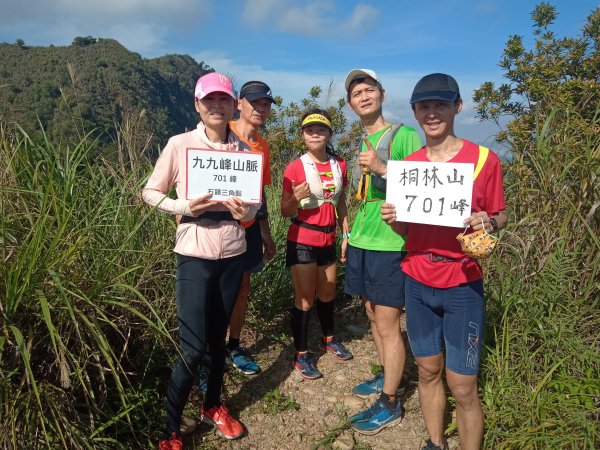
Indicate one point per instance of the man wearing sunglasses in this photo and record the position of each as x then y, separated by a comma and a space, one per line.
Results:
374, 252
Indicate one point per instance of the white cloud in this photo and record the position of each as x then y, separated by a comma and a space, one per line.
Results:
155, 11
292, 86
362, 17
317, 18
139, 25
258, 11
142, 38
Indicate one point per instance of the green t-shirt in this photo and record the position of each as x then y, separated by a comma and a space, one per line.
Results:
369, 232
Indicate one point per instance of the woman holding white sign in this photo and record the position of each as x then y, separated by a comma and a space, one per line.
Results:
445, 306
209, 244
314, 197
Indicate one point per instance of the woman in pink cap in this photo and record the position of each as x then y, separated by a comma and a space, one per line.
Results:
209, 245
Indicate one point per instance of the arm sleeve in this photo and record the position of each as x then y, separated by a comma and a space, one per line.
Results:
162, 178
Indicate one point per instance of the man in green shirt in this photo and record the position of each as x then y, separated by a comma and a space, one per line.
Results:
375, 251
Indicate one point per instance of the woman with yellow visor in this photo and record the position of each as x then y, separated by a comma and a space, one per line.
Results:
313, 196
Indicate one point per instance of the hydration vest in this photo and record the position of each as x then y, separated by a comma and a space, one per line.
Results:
313, 179
384, 151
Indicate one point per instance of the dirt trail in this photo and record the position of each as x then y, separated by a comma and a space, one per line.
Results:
310, 414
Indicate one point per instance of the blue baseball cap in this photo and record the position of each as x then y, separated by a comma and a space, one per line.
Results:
436, 86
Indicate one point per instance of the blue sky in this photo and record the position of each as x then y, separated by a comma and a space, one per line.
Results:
295, 45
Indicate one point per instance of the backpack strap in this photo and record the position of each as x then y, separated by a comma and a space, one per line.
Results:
483, 154
395, 128
384, 144
362, 179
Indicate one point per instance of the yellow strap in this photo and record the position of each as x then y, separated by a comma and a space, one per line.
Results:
359, 190
483, 154
363, 184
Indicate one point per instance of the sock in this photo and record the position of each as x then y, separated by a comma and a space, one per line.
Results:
325, 313
232, 344
300, 329
389, 401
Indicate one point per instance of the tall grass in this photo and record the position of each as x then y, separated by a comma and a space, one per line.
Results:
541, 375
272, 293
81, 256
86, 281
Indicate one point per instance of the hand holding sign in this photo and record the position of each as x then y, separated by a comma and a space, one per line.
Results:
301, 191
201, 204
388, 213
370, 160
237, 207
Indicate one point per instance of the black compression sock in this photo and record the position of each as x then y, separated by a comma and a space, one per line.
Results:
325, 312
300, 329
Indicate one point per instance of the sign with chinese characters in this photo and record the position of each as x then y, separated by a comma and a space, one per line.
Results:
435, 193
224, 174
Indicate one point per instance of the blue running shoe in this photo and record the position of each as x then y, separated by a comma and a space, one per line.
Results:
240, 359
305, 364
364, 414
368, 387
375, 386
376, 418
334, 346
203, 379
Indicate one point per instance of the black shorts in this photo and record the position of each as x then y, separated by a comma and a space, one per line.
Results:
253, 258
297, 253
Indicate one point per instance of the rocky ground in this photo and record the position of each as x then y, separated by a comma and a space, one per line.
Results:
282, 411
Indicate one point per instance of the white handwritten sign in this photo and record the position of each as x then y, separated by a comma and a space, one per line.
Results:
224, 174
435, 193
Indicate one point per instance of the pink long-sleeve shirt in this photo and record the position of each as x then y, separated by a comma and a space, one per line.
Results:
221, 240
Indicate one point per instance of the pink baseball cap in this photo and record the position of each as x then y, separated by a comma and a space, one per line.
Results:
213, 82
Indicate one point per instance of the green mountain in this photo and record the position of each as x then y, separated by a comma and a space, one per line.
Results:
97, 85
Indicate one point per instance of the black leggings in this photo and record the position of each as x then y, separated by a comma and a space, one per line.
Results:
206, 293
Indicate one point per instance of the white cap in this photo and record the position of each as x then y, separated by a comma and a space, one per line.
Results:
359, 73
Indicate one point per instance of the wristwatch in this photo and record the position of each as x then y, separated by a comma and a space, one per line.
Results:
494, 224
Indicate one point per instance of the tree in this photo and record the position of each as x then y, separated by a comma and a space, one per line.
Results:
543, 283
552, 98
557, 73
84, 41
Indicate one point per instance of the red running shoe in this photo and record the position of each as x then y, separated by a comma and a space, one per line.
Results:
226, 425
175, 443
